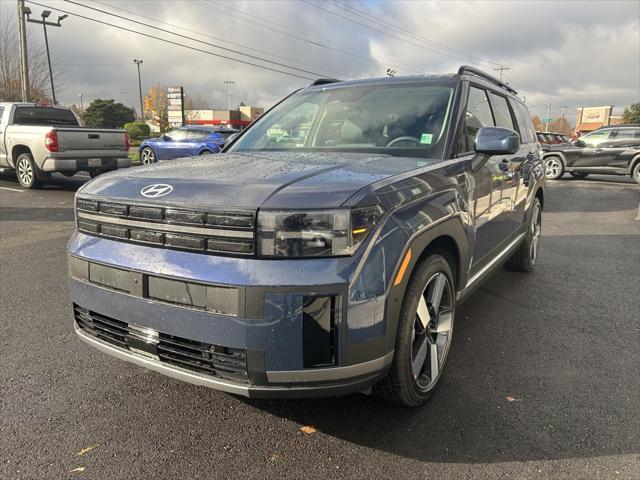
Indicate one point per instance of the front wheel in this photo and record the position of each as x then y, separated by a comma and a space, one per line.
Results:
554, 168
424, 334
26, 171
579, 175
524, 259
636, 173
147, 156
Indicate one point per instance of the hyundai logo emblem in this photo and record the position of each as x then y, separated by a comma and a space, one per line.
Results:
156, 190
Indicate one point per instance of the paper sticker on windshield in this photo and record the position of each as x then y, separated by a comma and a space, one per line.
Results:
426, 138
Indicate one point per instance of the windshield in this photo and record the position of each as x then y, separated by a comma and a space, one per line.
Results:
46, 116
401, 120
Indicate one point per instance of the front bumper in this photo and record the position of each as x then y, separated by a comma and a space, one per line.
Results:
258, 310
83, 164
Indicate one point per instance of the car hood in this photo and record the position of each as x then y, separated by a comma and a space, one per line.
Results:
262, 179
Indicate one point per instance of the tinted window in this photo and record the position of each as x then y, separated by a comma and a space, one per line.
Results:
478, 115
621, 134
177, 134
197, 134
595, 138
525, 127
501, 111
44, 116
400, 119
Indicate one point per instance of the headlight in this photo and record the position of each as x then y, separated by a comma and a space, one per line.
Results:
314, 233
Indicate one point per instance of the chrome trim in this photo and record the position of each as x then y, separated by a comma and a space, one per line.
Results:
153, 364
495, 260
166, 228
330, 374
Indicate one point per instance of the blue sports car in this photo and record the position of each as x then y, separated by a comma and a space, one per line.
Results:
184, 142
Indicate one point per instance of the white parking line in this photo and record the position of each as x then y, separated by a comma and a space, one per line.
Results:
12, 189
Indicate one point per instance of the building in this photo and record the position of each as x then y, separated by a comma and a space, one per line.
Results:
239, 118
589, 119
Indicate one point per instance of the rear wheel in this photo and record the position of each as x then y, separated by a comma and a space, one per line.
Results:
206, 152
524, 260
424, 334
147, 156
26, 171
554, 167
579, 175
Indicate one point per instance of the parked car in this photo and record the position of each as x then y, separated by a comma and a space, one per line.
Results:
184, 142
327, 251
551, 138
608, 150
36, 140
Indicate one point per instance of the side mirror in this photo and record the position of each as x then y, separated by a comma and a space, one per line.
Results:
497, 141
165, 138
580, 143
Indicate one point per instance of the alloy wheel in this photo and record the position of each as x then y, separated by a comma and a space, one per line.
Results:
25, 171
553, 167
147, 157
432, 331
535, 232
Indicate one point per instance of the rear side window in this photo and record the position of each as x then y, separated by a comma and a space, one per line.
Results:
621, 134
501, 111
525, 126
478, 115
197, 134
45, 116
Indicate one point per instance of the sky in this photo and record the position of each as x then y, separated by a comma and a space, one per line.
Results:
562, 53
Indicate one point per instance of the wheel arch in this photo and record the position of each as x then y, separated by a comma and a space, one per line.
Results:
18, 150
634, 161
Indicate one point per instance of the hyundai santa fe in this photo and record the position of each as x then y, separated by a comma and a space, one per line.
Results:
325, 250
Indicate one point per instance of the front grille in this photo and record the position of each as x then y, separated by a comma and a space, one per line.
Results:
204, 358
215, 232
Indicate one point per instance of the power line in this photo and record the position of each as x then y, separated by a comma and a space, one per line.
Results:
404, 31
345, 50
171, 42
208, 35
195, 39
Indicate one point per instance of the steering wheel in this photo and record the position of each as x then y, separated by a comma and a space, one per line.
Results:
402, 139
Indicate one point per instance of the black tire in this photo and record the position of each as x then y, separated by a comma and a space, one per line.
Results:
524, 259
26, 171
554, 167
401, 385
579, 175
147, 156
635, 174
205, 152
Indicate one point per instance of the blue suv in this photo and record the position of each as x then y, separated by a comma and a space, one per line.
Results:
326, 249
184, 142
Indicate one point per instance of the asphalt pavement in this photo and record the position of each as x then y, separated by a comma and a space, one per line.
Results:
543, 380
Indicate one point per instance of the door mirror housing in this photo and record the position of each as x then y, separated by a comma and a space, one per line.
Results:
165, 138
580, 143
497, 141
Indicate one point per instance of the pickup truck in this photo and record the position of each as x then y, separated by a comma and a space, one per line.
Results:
36, 140
324, 251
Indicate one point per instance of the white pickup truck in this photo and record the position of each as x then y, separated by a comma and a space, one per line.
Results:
36, 140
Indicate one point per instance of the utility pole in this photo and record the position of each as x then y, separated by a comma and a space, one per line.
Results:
45, 14
547, 119
228, 83
81, 108
501, 68
138, 63
562, 111
24, 62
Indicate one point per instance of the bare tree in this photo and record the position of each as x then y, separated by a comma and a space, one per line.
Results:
10, 86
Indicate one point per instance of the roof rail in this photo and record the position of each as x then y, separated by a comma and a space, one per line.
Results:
324, 81
479, 73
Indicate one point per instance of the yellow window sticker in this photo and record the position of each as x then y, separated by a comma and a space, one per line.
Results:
426, 138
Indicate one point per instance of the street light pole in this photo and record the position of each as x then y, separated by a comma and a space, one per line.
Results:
45, 14
24, 63
548, 119
228, 83
138, 63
